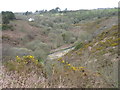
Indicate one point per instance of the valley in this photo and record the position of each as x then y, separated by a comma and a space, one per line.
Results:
72, 49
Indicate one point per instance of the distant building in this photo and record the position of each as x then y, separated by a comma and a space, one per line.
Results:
31, 19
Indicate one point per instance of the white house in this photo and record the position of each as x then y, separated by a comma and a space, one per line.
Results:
31, 19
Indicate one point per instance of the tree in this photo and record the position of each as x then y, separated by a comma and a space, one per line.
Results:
7, 16
28, 13
56, 10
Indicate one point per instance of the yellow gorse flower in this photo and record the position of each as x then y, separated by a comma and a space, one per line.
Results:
26, 59
74, 68
31, 56
68, 64
17, 57
37, 60
62, 61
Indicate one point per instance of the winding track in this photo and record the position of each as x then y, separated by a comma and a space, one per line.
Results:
59, 53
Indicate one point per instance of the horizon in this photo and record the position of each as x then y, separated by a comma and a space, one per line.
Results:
61, 10
33, 5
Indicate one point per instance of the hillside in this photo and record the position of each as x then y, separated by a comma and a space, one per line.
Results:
96, 61
100, 56
73, 49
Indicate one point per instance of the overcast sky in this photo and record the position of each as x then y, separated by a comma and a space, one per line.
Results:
33, 5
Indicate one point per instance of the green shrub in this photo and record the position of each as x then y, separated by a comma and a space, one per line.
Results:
68, 37
55, 40
33, 45
78, 46
6, 27
40, 49
9, 52
19, 51
40, 54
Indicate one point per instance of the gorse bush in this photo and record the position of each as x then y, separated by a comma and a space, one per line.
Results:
25, 63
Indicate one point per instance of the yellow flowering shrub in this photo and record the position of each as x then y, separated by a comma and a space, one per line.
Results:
23, 63
26, 59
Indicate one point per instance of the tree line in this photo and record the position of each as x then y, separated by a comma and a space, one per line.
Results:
54, 10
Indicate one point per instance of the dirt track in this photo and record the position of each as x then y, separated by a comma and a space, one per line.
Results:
59, 53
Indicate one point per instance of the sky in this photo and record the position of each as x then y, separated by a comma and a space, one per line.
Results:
33, 5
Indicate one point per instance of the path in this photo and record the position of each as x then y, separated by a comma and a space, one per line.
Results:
59, 53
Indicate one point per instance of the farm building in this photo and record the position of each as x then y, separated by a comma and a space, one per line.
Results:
31, 19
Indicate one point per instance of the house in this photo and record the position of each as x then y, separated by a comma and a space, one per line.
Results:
31, 19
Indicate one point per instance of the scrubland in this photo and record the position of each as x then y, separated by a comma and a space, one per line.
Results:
93, 63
